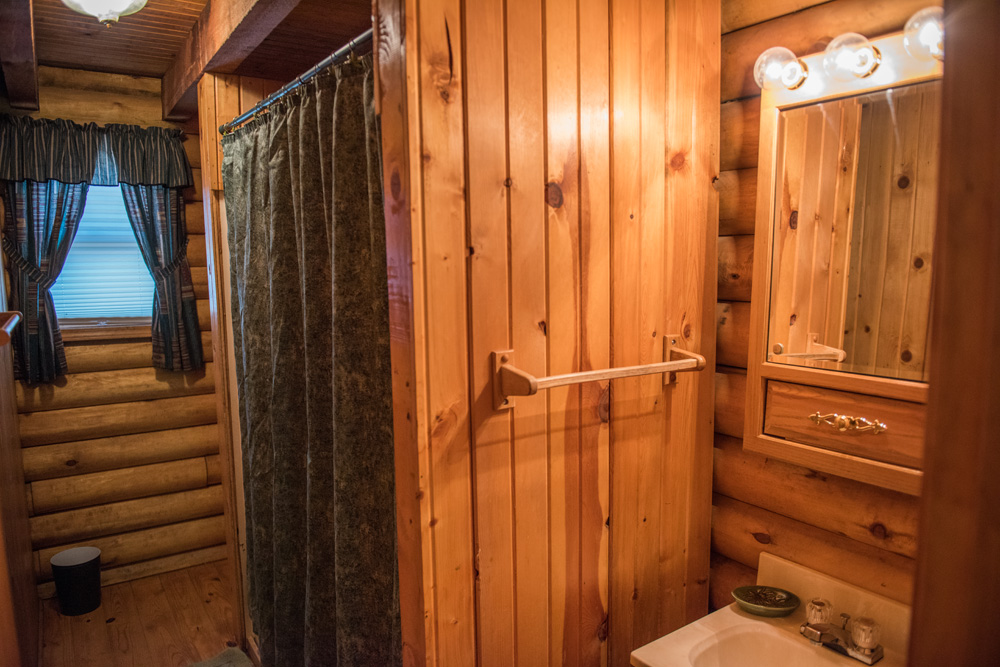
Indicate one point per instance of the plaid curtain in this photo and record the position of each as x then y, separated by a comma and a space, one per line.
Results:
40, 221
157, 216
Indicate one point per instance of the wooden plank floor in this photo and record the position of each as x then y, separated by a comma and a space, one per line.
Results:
169, 620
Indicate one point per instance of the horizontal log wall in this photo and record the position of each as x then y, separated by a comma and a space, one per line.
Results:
117, 454
863, 534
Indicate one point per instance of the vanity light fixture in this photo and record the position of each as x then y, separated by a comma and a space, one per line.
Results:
923, 36
779, 66
851, 55
106, 11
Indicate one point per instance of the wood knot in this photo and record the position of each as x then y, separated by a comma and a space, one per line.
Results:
71, 463
763, 538
793, 220
395, 186
687, 332
791, 320
432, 522
878, 530
602, 630
635, 593
553, 195
507, 182
906, 356
903, 182
604, 405
677, 161
918, 262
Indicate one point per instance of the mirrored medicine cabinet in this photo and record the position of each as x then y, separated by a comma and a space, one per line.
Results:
846, 212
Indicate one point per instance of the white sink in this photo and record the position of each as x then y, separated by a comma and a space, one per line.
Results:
732, 637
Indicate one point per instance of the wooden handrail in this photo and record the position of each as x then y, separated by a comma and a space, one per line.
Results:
509, 380
8, 320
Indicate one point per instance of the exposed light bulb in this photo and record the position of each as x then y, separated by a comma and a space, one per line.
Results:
778, 66
850, 55
106, 11
923, 36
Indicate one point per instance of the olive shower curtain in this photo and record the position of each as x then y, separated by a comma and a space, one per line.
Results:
311, 335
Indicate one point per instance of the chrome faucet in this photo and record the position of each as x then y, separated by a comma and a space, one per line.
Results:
857, 639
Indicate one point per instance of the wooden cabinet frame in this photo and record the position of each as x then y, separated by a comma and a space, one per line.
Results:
897, 69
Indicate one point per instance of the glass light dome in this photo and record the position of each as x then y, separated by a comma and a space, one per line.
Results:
923, 36
850, 55
106, 11
778, 66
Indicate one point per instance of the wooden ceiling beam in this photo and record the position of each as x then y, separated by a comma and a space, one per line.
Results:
224, 35
17, 54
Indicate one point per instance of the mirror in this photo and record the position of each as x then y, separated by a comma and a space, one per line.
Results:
855, 205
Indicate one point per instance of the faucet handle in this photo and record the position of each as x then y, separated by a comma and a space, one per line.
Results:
866, 633
845, 620
819, 610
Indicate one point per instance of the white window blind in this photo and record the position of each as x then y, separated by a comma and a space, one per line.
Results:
104, 275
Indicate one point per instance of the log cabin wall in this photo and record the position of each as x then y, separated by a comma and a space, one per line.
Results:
859, 533
221, 98
548, 171
117, 454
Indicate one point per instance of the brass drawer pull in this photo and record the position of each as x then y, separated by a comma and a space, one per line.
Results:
846, 423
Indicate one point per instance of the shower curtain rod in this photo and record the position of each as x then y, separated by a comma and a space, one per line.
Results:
332, 59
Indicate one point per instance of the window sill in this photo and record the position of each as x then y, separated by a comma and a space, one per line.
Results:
118, 328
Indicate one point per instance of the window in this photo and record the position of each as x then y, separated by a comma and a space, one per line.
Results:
104, 276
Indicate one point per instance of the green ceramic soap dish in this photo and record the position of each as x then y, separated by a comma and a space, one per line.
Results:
766, 600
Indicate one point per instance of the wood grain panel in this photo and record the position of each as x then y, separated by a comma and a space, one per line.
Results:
90, 523
732, 333
727, 575
528, 214
957, 577
51, 495
125, 451
196, 250
738, 14
95, 97
730, 399
447, 355
735, 267
551, 188
91, 357
737, 201
104, 387
806, 32
741, 531
140, 545
872, 515
489, 326
43, 428
740, 134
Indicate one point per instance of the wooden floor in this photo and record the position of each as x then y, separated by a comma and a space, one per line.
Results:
169, 620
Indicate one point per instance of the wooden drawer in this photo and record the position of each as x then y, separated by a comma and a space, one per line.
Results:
788, 408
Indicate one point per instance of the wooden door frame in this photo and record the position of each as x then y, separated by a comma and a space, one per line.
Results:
958, 564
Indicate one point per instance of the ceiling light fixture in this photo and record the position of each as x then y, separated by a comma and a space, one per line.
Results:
106, 11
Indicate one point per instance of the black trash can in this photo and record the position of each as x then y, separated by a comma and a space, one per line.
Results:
77, 573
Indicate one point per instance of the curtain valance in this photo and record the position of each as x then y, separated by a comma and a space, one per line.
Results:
41, 149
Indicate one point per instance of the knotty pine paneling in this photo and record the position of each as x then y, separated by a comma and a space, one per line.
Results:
548, 192
118, 446
871, 528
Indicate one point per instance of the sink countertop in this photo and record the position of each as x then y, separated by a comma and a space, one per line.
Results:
769, 641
